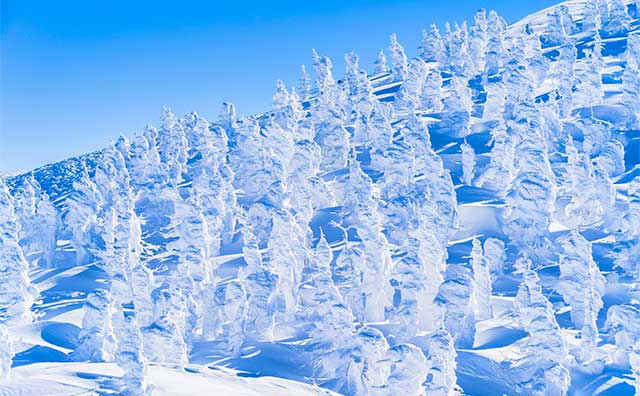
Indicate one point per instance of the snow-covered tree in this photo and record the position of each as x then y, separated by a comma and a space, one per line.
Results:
16, 290
432, 47
623, 322
409, 95
631, 76
591, 21
478, 37
416, 276
381, 63
559, 28
361, 98
129, 354
563, 78
531, 197
369, 372
441, 363
582, 286
38, 220
494, 256
588, 83
618, 21
455, 298
329, 119
81, 215
468, 158
501, 170
304, 87
458, 105
460, 61
96, 342
585, 189
371, 257
172, 145
432, 98
543, 367
408, 370
260, 283
399, 63
481, 296
495, 50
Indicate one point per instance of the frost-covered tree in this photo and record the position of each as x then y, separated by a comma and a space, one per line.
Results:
38, 220
563, 78
304, 87
96, 341
494, 256
164, 338
416, 276
537, 62
591, 21
530, 199
192, 270
361, 98
460, 61
441, 363
371, 257
585, 189
408, 370
172, 145
495, 99
543, 369
409, 95
618, 21
631, 76
16, 290
455, 298
81, 216
458, 105
260, 283
495, 50
582, 286
6, 352
481, 297
588, 83
307, 191
623, 322
501, 170
329, 119
559, 28
478, 37
229, 310
432, 47
468, 158
129, 355
431, 97
399, 63
369, 372
332, 346
381, 63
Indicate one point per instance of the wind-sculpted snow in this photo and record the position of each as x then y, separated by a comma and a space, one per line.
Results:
466, 221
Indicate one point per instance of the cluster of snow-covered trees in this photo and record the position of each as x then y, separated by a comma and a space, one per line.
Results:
381, 306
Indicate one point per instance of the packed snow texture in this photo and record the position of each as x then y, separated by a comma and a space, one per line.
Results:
463, 222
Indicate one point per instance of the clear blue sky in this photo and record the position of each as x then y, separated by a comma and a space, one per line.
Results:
77, 73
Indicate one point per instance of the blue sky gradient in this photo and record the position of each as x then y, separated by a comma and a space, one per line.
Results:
75, 74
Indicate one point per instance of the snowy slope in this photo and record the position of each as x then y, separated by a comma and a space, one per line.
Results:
464, 222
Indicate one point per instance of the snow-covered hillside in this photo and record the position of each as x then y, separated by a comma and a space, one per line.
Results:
463, 222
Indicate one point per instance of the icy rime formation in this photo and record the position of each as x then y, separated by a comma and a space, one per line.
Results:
465, 221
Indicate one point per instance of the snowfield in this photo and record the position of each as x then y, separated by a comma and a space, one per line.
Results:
463, 222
